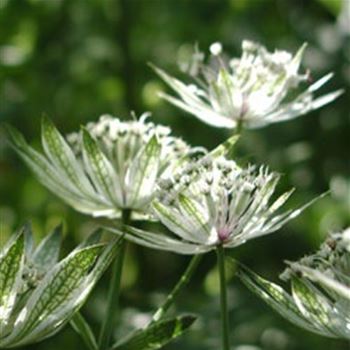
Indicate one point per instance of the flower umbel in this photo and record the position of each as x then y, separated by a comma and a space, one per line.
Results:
320, 300
38, 294
215, 202
108, 166
329, 267
254, 90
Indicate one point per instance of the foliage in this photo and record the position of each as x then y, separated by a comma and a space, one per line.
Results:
76, 60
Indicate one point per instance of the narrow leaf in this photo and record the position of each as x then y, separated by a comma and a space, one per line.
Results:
226, 147
55, 291
92, 239
157, 335
47, 254
11, 263
275, 297
81, 326
312, 304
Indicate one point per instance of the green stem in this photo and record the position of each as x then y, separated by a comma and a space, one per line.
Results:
223, 298
183, 281
114, 291
239, 127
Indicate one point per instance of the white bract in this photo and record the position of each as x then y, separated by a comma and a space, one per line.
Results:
214, 202
108, 166
320, 300
254, 90
38, 294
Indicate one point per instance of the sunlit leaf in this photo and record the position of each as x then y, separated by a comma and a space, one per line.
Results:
58, 289
275, 297
11, 262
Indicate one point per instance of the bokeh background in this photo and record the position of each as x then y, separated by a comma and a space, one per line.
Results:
77, 59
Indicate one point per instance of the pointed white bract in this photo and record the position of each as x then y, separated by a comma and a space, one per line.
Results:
320, 298
108, 166
38, 293
214, 202
254, 90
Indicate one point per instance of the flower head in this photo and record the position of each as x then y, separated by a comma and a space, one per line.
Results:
215, 202
108, 166
329, 266
38, 293
320, 300
254, 90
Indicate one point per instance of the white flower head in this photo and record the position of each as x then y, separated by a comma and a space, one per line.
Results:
330, 265
320, 289
138, 151
254, 90
215, 202
108, 166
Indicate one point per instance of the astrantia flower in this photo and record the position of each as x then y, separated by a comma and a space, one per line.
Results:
320, 300
329, 267
108, 166
214, 202
254, 90
38, 294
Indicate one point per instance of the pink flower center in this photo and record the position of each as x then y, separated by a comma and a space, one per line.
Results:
223, 234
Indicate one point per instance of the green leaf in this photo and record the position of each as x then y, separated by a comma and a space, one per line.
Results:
313, 304
226, 147
274, 296
47, 253
157, 335
11, 263
59, 290
81, 326
28, 239
104, 261
93, 238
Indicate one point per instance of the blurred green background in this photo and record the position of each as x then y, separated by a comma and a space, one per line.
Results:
77, 59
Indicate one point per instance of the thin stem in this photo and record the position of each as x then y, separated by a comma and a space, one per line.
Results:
223, 298
114, 291
239, 127
183, 281
237, 131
